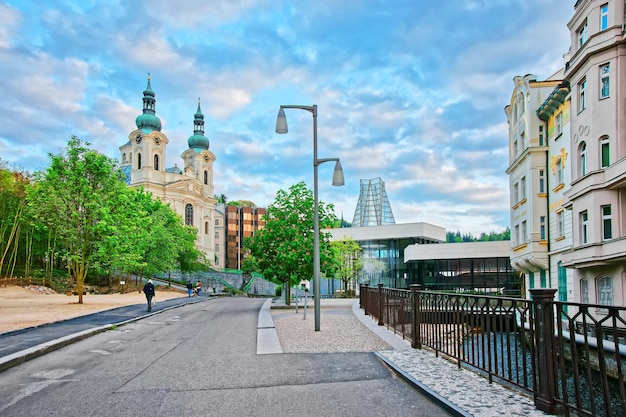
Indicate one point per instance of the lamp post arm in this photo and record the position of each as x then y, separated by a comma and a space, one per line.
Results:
318, 162
311, 109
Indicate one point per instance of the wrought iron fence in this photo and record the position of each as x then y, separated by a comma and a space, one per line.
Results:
570, 357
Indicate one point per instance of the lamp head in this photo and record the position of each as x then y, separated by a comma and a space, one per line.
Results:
338, 179
281, 122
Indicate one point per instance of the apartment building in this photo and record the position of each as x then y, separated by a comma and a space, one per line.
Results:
240, 222
528, 172
597, 196
568, 224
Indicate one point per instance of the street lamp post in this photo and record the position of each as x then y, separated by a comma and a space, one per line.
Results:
281, 127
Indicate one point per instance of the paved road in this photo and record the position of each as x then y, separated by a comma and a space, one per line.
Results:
201, 360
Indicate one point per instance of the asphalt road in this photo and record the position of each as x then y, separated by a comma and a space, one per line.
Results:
200, 360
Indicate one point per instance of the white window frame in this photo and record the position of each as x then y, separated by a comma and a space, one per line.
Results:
582, 95
604, 16
524, 232
516, 193
584, 227
558, 123
605, 143
604, 286
542, 181
559, 172
542, 227
607, 223
584, 291
582, 154
523, 188
582, 34
605, 86
560, 219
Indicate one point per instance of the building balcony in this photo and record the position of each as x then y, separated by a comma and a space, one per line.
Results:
596, 254
612, 178
530, 256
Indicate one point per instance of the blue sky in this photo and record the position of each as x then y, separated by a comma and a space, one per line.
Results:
407, 90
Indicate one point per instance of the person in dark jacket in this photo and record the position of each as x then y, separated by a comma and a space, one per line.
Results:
148, 289
189, 288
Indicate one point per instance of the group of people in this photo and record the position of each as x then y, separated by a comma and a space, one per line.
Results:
148, 290
191, 291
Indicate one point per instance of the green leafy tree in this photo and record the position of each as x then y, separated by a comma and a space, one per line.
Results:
284, 247
249, 265
78, 197
13, 186
348, 254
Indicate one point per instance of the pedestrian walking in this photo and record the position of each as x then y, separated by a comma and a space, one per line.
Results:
148, 290
198, 287
189, 288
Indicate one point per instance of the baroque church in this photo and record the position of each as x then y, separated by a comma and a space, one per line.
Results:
188, 191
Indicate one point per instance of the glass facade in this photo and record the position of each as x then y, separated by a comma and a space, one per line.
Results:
493, 276
383, 262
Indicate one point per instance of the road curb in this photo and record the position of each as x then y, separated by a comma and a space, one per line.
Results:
442, 401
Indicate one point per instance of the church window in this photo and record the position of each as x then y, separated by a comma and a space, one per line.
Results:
206, 177
124, 158
138, 161
156, 162
189, 215
206, 228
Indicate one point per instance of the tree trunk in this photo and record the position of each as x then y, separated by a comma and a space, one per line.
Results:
287, 290
13, 234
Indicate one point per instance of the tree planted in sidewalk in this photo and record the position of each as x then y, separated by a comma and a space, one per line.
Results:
284, 247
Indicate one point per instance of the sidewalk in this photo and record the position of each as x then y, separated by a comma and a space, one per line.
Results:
460, 391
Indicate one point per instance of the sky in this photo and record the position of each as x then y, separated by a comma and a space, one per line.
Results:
411, 91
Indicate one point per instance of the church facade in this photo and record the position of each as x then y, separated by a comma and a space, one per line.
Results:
188, 191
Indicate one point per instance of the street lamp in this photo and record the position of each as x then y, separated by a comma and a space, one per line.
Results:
281, 127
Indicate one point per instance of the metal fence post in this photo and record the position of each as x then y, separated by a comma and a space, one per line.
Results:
416, 342
380, 304
363, 297
544, 364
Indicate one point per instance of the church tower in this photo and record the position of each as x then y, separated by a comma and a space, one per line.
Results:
143, 157
189, 192
198, 158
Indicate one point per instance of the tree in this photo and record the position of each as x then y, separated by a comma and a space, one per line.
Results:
284, 247
78, 196
13, 186
373, 269
348, 253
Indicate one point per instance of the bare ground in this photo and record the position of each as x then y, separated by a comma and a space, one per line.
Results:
22, 307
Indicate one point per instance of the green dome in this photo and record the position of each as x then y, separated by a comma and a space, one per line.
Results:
198, 141
148, 121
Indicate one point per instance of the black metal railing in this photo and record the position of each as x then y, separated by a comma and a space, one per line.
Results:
570, 357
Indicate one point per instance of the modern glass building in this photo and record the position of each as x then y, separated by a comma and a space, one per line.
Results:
474, 267
384, 249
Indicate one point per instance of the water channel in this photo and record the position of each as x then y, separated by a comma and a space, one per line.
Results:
515, 365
